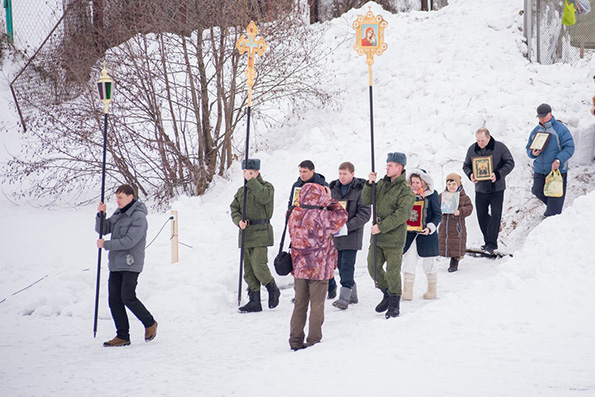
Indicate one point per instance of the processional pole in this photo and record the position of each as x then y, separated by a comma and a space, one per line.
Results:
252, 46
104, 85
369, 40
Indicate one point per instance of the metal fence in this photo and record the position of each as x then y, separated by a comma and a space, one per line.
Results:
549, 41
32, 20
54, 72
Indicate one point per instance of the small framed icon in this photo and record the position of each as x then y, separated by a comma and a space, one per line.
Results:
540, 140
482, 168
417, 219
296, 196
450, 202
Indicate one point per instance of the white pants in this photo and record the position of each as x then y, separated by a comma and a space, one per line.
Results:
410, 261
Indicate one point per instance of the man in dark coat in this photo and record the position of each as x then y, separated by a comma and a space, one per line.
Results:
128, 228
308, 174
394, 201
489, 194
348, 191
258, 234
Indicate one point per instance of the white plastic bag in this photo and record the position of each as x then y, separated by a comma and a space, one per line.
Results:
582, 6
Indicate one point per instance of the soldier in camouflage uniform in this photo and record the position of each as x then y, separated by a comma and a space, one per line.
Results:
258, 234
394, 201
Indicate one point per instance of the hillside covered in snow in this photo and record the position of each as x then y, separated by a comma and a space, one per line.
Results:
520, 326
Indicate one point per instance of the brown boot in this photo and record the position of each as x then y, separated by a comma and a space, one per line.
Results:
116, 342
151, 332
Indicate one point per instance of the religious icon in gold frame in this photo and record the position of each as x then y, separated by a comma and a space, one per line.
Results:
296, 196
369, 35
482, 168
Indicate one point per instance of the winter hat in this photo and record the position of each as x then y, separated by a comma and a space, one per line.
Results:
397, 157
454, 177
313, 194
543, 110
253, 164
423, 174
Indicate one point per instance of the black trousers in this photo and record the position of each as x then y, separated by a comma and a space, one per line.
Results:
489, 213
122, 295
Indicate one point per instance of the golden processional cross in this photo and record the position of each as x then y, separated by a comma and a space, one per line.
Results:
369, 40
253, 46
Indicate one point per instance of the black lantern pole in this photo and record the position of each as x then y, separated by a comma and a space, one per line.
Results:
104, 84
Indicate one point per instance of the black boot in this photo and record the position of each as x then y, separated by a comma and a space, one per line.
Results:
253, 305
383, 305
454, 265
393, 305
332, 291
274, 294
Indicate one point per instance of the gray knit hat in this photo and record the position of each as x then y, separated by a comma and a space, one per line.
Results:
397, 157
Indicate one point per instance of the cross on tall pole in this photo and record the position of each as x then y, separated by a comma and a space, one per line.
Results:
252, 46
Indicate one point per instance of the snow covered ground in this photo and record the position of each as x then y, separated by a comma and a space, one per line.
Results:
520, 326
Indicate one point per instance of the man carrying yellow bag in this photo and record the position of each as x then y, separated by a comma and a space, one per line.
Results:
551, 154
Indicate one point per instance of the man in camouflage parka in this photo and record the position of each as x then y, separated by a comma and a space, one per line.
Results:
311, 227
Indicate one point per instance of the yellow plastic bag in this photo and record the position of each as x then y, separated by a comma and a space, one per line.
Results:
569, 14
554, 185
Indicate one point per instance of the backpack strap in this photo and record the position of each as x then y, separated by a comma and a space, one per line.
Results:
285, 229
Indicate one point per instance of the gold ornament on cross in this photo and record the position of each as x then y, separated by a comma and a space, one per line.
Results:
253, 46
369, 37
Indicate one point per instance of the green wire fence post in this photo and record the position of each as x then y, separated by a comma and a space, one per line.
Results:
9, 30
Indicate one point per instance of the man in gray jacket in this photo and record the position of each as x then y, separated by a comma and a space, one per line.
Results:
348, 191
489, 194
128, 228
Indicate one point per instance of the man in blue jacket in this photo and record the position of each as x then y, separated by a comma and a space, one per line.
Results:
554, 156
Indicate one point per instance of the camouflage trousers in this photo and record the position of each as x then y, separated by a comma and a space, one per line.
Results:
391, 278
256, 269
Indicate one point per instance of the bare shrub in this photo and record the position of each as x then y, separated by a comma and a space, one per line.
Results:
179, 97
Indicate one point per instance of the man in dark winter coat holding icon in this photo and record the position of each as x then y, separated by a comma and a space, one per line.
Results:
489, 191
348, 191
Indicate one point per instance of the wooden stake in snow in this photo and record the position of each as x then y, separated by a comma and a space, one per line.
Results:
174, 238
